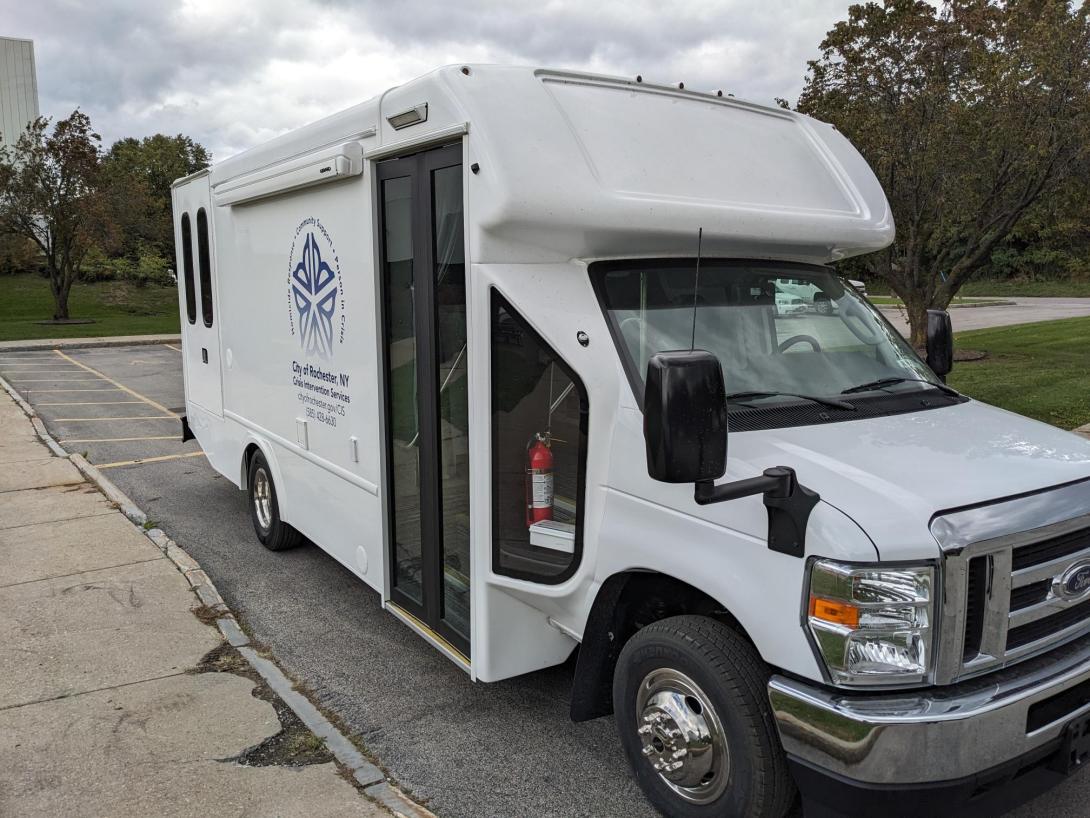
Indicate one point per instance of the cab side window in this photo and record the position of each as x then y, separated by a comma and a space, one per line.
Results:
539, 450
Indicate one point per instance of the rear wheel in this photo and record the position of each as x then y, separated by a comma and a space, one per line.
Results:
692, 711
274, 533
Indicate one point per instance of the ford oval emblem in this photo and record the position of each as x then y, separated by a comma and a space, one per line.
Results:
1075, 581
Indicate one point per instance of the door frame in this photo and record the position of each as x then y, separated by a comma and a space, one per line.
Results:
418, 165
204, 376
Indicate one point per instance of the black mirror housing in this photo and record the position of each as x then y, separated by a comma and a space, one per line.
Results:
685, 417
940, 342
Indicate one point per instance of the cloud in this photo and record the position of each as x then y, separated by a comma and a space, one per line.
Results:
232, 73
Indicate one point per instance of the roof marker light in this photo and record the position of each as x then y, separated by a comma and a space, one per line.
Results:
413, 116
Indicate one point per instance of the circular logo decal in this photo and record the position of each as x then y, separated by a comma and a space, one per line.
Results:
1075, 581
315, 290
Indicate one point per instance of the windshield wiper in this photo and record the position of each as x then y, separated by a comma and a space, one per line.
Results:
883, 382
833, 402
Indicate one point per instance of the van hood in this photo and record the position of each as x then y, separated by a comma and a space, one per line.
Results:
891, 475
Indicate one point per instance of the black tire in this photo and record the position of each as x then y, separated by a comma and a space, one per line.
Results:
732, 677
274, 533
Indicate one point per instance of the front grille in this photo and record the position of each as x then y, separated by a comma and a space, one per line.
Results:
1051, 549
1006, 601
1046, 626
1029, 595
975, 600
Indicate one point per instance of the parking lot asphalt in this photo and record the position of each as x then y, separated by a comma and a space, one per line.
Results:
464, 749
1012, 311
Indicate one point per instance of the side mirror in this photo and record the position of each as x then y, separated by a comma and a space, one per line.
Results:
685, 417
940, 343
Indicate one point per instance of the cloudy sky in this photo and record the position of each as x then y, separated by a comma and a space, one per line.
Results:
232, 73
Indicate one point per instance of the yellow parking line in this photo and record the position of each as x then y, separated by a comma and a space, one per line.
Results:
118, 439
171, 346
120, 386
146, 460
104, 389
138, 417
91, 403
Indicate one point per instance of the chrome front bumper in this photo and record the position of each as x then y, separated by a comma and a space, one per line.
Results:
934, 735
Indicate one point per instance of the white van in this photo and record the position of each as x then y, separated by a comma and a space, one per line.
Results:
462, 338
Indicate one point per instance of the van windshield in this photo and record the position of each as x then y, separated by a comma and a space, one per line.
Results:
779, 330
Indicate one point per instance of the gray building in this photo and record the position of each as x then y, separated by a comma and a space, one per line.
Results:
18, 88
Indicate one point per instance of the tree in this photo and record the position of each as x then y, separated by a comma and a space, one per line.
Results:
150, 165
969, 116
50, 194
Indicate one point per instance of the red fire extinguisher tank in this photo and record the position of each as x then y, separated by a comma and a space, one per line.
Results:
539, 481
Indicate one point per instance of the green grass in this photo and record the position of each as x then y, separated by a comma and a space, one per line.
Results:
1010, 289
117, 307
1039, 370
1017, 288
959, 301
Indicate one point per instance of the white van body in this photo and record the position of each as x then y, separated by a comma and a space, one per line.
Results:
560, 171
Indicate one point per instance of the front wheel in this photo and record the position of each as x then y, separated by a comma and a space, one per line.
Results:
692, 711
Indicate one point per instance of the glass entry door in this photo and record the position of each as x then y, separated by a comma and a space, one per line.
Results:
424, 326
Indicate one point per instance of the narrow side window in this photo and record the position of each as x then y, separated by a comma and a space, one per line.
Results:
205, 260
187, 270
539, 453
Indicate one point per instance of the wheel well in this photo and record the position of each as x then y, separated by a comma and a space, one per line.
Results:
625, 603
247, 456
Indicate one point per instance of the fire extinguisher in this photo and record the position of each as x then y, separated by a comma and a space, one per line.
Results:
539, 480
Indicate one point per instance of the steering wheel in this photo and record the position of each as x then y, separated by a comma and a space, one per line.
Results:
799, 339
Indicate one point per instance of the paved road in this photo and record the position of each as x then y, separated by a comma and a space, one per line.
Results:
505, 749
1022, 311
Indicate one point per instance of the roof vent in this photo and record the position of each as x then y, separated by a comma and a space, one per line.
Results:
413, 116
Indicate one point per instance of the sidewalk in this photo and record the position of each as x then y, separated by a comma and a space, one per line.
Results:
115, 699
76, 343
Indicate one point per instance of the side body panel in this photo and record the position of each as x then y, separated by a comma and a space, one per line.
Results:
296, 314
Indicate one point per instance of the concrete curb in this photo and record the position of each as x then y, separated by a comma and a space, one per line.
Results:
28, 410
371, 780
82, 343
115, 495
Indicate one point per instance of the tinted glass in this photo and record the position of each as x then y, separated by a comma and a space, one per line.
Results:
450, 306
772, 330
539, 413
401, 377
187, 270
204, 259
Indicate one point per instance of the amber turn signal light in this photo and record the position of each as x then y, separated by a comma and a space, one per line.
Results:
834, 611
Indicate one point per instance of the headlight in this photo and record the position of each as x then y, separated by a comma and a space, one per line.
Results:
872, 625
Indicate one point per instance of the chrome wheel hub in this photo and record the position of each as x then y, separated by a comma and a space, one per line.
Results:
263, 498
682, 737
